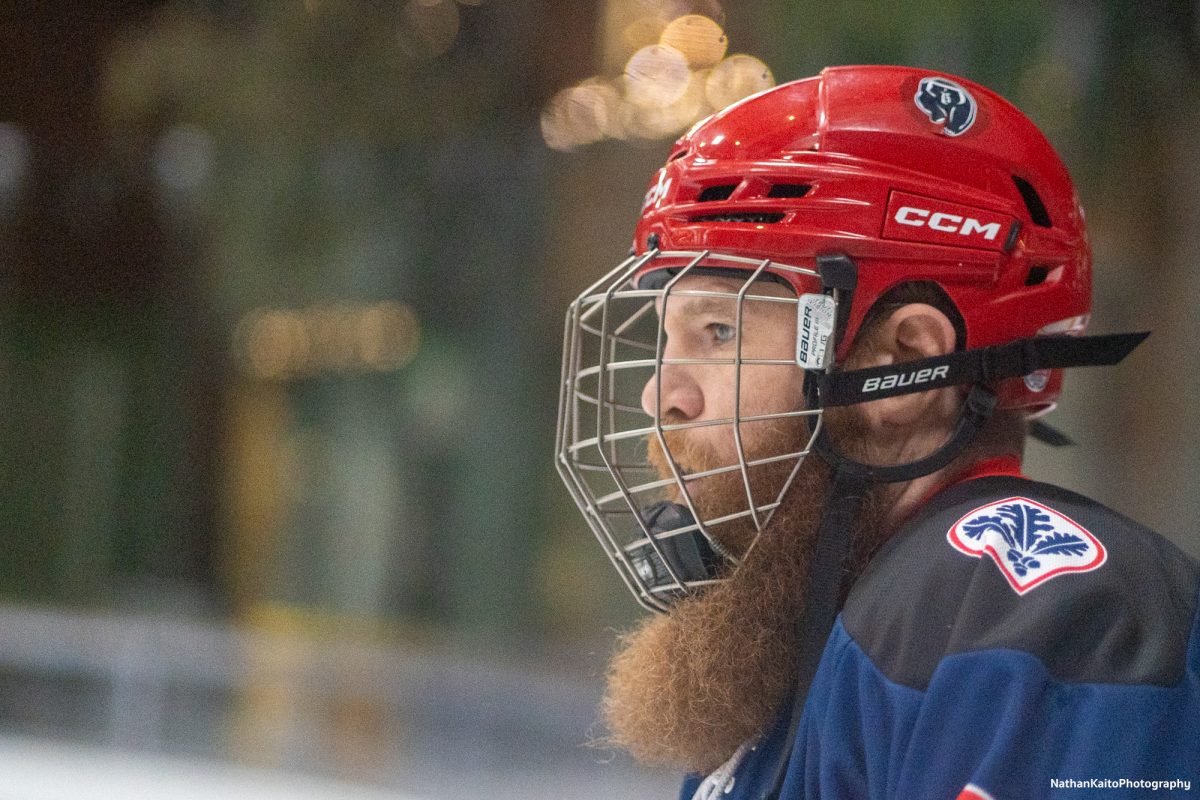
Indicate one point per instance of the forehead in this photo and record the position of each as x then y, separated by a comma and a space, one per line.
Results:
682, 302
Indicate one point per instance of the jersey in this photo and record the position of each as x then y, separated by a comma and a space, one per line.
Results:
1012, 640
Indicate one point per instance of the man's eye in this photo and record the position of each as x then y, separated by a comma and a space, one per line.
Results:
723, 334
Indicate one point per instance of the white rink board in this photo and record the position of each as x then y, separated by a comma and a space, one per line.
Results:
35, 769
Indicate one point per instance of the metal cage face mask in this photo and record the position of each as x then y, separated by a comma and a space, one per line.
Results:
677, 502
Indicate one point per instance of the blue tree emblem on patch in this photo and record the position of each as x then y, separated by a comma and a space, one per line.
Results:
1030, 542
1028, 533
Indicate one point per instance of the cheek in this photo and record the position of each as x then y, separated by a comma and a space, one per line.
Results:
764, 389
771, 389
716, 383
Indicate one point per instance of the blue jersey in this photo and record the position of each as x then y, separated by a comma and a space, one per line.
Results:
1013, 640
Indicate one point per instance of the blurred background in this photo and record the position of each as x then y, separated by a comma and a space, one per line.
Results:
281, 297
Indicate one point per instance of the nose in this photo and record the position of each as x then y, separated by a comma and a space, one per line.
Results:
681, 395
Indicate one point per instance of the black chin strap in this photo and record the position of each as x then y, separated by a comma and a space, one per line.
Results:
976, 410
829, 569
979, 368
982, 365
826, 575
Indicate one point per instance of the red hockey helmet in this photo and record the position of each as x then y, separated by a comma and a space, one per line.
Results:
916, 175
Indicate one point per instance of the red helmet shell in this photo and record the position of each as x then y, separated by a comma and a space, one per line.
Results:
916, 175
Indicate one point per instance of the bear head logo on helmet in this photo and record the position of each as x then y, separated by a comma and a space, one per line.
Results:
946, 103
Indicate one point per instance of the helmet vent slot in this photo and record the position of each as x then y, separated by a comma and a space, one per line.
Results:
792, 190
1037, 275
716, 193
747, 216
1033, 202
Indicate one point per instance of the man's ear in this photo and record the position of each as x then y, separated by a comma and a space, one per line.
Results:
911, 332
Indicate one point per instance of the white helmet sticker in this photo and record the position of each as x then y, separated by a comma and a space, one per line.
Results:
814, 330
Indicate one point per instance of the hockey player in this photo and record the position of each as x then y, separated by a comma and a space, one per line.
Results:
795, 418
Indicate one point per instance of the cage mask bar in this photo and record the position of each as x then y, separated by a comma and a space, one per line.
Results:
691, 555
643, 510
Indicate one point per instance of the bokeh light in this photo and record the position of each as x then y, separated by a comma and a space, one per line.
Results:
656, 75
657, 122
183, 158
701, 40
554, 123
674, 74
281, 344
736, 77
14, 157
643, 32
429, 28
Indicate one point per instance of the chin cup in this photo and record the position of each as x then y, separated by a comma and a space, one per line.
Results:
689, 554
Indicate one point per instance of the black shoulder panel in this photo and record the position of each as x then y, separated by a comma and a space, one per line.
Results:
1126, 621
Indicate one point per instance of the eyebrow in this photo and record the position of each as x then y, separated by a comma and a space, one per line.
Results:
709, 305
726, 306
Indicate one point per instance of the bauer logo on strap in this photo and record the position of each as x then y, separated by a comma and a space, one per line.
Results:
1030, 543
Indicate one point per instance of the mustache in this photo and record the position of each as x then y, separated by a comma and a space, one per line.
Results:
694, 454
689, 453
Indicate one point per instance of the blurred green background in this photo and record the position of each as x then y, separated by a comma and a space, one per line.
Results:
281, 295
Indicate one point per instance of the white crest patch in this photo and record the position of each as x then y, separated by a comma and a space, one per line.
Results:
1030, 542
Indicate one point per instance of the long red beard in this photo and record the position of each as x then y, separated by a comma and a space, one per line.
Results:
688, 687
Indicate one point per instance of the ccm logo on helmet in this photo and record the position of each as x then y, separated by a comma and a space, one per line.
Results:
933, 220
947, 223
904, 379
